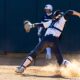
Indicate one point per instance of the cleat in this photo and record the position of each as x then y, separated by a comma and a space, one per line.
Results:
20, 69
66, 63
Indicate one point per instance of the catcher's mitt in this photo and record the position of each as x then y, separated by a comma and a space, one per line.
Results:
27, 26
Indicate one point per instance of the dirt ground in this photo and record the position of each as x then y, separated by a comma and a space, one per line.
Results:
41, 69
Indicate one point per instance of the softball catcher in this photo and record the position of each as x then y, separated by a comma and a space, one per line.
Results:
54, 30
41, 31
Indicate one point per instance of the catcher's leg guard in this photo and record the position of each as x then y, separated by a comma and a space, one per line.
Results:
26, 63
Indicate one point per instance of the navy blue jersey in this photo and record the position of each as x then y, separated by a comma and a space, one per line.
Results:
47, 17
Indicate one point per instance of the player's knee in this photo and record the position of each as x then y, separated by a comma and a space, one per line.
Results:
33, 55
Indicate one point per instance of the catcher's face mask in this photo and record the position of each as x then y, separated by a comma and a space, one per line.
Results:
48, 11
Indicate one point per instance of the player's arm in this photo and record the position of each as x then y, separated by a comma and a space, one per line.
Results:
33, 25
28, 25
43, 24
75, 13
38, 25
71, 12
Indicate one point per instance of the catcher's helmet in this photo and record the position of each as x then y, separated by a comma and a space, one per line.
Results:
48, 6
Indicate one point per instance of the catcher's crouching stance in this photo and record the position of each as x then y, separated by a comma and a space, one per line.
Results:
54, 30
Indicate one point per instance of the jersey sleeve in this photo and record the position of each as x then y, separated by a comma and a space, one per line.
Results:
47, 24
67, 14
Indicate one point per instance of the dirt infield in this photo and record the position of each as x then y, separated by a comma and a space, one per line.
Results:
48, 70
